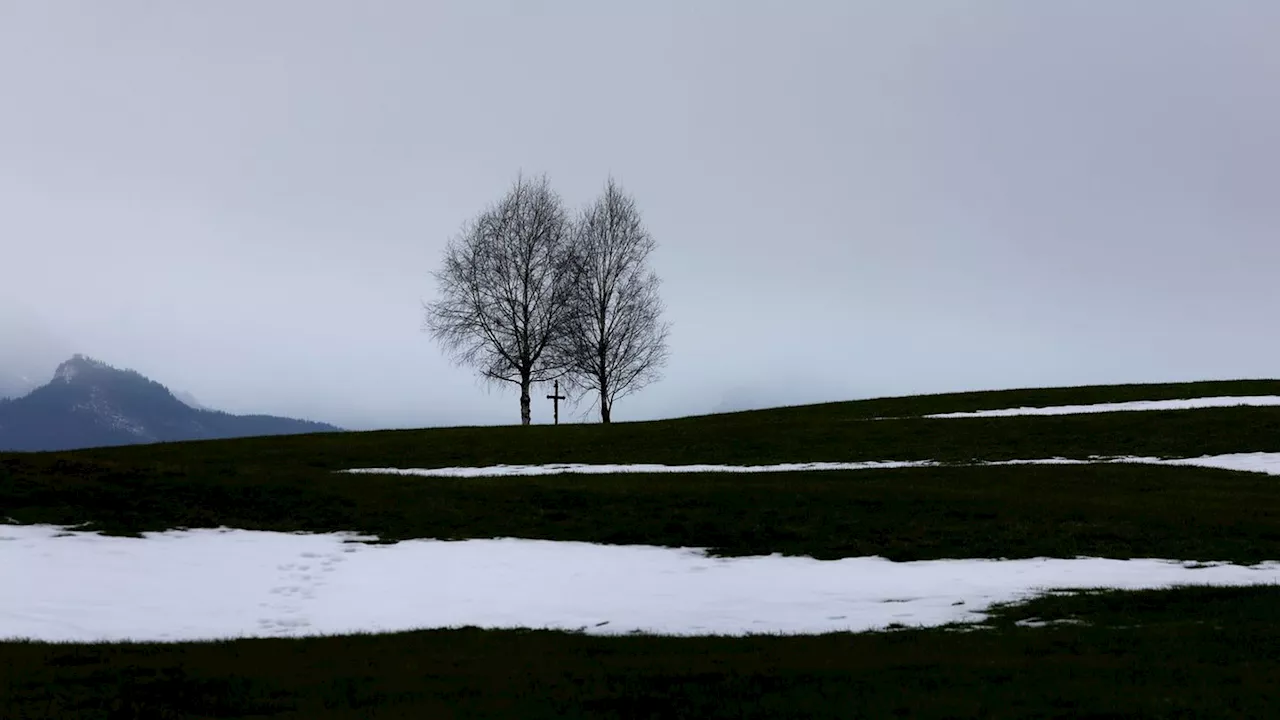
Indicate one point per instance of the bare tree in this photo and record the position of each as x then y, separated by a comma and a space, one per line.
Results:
615, 342
504, 289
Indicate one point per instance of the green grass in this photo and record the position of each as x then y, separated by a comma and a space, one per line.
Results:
917, 405
834, 431
1183, 653
1116, 510
747, 438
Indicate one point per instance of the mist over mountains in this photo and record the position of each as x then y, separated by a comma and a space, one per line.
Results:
91, 404
27, 350
14, 385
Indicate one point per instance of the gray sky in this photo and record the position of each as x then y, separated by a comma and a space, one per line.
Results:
244, 199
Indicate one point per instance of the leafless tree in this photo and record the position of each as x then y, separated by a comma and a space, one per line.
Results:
615, 342
504, 289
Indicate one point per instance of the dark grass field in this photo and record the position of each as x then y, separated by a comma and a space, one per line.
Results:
836, 431
1120, 510
1183, 653
1186, 653
917, 405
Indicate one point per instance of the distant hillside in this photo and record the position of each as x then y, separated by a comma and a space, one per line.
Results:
189, 400
91, 404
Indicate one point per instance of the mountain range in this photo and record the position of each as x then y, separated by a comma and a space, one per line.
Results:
91, 404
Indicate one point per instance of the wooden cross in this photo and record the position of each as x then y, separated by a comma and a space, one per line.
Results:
555, 399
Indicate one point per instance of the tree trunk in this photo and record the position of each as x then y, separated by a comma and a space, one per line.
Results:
602, 375
526, 412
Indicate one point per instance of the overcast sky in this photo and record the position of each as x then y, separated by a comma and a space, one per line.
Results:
245, 199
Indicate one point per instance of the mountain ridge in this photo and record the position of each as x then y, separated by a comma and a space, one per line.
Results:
89, 403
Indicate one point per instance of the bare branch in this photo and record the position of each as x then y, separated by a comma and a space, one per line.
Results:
615, 342
504, 289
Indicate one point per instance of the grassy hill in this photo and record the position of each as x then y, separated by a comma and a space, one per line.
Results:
918, 405
1167, 653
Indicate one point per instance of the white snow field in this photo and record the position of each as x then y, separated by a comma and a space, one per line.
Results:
1136, 405
589, 469
1250, 462
206, 584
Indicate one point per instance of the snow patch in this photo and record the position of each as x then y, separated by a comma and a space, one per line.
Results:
204, 584
106, 414
1137, 405
590, 469
1251, 462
